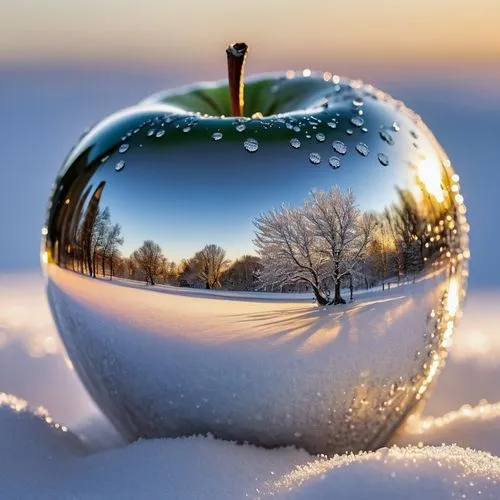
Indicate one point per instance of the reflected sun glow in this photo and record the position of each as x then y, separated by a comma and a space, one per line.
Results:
430, 175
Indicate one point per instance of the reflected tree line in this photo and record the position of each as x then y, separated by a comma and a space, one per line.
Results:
327, 246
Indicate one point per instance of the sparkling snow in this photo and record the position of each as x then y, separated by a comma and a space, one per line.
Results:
40, 458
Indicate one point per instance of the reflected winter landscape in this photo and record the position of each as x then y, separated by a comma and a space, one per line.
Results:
194, 277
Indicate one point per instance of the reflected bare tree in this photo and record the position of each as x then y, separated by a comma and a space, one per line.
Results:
150, 259
109, 249
209, 265
289, 251
344, 232
321, 242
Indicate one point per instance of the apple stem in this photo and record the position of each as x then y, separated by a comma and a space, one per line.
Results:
236, 54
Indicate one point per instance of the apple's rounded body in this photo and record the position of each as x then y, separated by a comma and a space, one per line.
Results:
286, 279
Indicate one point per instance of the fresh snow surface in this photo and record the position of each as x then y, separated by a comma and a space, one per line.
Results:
41, 459
38, 460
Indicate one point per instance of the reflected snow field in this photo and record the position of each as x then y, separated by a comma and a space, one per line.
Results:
165, 362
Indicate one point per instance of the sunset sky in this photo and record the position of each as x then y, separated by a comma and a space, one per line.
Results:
189, 36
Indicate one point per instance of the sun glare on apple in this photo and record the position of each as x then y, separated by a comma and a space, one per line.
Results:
430, 175
453, 299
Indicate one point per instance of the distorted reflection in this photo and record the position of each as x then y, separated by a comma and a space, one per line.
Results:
222, 282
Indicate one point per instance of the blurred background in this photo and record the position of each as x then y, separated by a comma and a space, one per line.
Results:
65, 65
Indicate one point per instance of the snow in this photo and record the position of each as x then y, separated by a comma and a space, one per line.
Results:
37, 460
296, 365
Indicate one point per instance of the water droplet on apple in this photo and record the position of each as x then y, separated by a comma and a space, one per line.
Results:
295, 143
383, 159
357, 102
151, 132
186, 129
364, 129
217, 136
315, 158
119, 166
240, 127
104, 159
386, 136
396, 127
123, 148
332, 124
362, 149
320, 137
349, 131
413, 134
339, 147
251, 145
334, 162
357, 121
296, 128
160, 133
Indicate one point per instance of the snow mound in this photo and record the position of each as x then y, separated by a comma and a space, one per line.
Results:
395, 473
31, 445
42, 459
476, 427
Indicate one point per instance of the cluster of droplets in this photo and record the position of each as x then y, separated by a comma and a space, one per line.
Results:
355, 91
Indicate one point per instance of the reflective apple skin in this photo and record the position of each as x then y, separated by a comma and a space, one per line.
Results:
250, 359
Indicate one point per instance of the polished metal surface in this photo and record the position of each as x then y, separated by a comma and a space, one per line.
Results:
290, 278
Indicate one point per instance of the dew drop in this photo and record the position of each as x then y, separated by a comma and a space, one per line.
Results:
386, 136
315, 158
349, 131
364, 129
251, 145
332, 124
362, 149
160, 133
296, 128
334, 162
383, 159
339, 147
123, 148
320, 137
357, 121
357, 101
216, 136
151, 132
295, 143
240, 127
119, 166
186, 129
